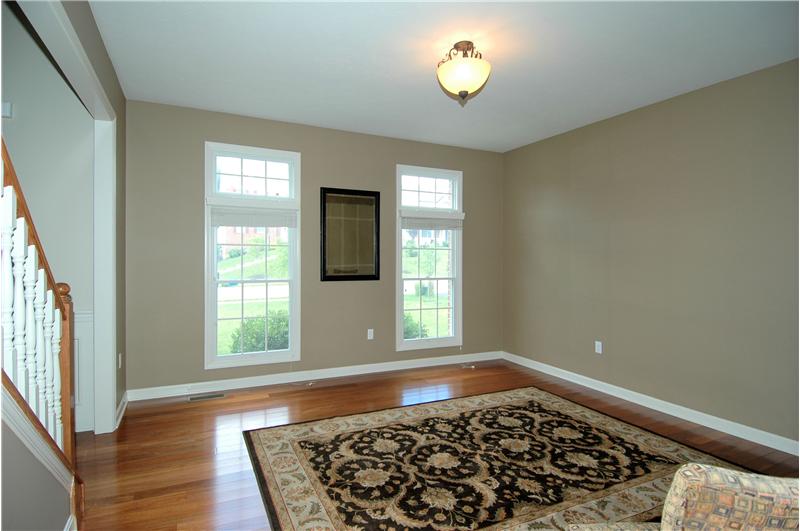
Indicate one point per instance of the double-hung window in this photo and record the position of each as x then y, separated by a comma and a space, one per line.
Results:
429, 236
252, 294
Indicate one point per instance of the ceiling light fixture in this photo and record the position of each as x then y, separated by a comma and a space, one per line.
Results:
463, 71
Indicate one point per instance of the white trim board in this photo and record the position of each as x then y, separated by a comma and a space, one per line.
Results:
730, 427
72, 523
736, 429
121, 407
302, 376
15, 419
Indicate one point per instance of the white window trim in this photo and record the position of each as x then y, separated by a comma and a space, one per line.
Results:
439, 213
215, 199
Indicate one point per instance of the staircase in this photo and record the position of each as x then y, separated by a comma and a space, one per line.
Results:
36, 315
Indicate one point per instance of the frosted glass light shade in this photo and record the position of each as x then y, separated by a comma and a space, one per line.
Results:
463, 75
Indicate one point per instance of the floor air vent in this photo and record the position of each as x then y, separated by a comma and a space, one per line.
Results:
209, 396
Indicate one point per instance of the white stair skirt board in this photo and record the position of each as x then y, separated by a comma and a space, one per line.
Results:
736, 429
730, 427
72, 524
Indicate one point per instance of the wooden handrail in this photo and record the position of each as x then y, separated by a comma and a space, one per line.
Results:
10, 179
62, 300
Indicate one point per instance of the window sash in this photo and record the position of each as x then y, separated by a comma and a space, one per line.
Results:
223, 209
417, 218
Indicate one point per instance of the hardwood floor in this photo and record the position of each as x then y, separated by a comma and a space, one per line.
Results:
175, 464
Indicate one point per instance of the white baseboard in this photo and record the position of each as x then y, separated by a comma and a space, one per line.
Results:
148, 393
736, 429
18, 422
742, 431
121, 407
72, 523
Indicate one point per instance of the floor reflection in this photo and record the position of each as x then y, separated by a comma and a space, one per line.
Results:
427, 393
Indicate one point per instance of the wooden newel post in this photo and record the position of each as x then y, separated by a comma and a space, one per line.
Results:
67, 377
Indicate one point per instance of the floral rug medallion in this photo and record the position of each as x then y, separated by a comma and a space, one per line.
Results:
521, 459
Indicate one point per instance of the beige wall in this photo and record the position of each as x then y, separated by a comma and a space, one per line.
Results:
165, 241
53, 158
670, 233
32, 497
82, 19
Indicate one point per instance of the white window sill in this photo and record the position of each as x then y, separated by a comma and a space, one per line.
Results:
244, 360
421, 344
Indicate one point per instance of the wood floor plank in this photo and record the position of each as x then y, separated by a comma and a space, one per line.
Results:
181, 465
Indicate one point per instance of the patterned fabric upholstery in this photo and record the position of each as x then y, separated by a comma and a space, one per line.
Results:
707, 497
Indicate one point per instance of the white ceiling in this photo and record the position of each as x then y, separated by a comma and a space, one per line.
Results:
370, 68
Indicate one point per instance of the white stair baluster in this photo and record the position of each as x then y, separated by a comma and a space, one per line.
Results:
59, 428
18, 255
50, 422
8, 215
29, 281
38, 316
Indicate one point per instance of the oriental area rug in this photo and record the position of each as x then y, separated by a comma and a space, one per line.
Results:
520, 459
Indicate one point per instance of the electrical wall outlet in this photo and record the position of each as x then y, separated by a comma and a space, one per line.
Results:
370, 334
598, 347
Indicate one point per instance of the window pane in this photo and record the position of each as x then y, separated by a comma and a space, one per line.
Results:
277, 170
278, 235
229, 235
444, 294
229, 262
278, 294
254, 186
253, 235
228, 337
443, 238
253, 168
410, 263
443, 268
278, 325
231, 165
427, 292
278, 338
427, 238
278, 262
229, 300
410, 182
410, 199
277, 188
255, 262
427, 200
254, 335
428, 321
229, 184
410, 238
444, 201
411, 325
411, 291
426, 263
443, 186
445, 323
255, 300
427, 184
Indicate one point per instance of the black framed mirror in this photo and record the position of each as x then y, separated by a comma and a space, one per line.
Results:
349, 234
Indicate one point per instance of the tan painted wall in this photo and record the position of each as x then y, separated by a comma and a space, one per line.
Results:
670, 233
32, 497
82, 19
165, 240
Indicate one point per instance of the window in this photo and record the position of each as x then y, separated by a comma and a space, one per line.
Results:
252, 256
429, 239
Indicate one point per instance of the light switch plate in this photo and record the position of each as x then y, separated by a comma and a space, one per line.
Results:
598, 347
